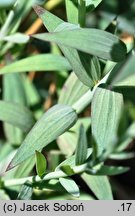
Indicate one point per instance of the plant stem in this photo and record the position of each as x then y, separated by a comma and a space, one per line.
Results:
83, 102
49, 176
86, 99
82, 12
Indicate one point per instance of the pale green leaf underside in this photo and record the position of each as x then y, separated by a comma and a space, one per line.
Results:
72, 12
106, 112
70, 186
76, 58
25, 193
52, 124
99, 185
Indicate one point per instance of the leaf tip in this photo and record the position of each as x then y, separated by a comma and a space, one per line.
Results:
9, 167
39, 10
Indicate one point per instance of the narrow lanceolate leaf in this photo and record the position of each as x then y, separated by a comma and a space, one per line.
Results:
123, 74
95, 42
40, 164
17, 115
52, 124
106, 112
80, 66
99, 185
122, 155
41, 62
72, 12
72, 90
70, 186
81, 151
111, 170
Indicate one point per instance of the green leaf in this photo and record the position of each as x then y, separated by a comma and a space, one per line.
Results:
67, 142
80, 66
3, 195
72, 12
106, 112
123, 73
93, 3
111, 170
23, 170
52, 124
17, 38
40, 164
99, 185
67, 169
95, 69
42, 62
70, 186
70, 161
97, 42
25, 192
122, 156
16, 115
50, 21
13, 91
53, 23
81, 150
72, 90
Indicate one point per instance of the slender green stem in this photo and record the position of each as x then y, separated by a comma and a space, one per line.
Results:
82, 12
86, 99
83, 102
49, 176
